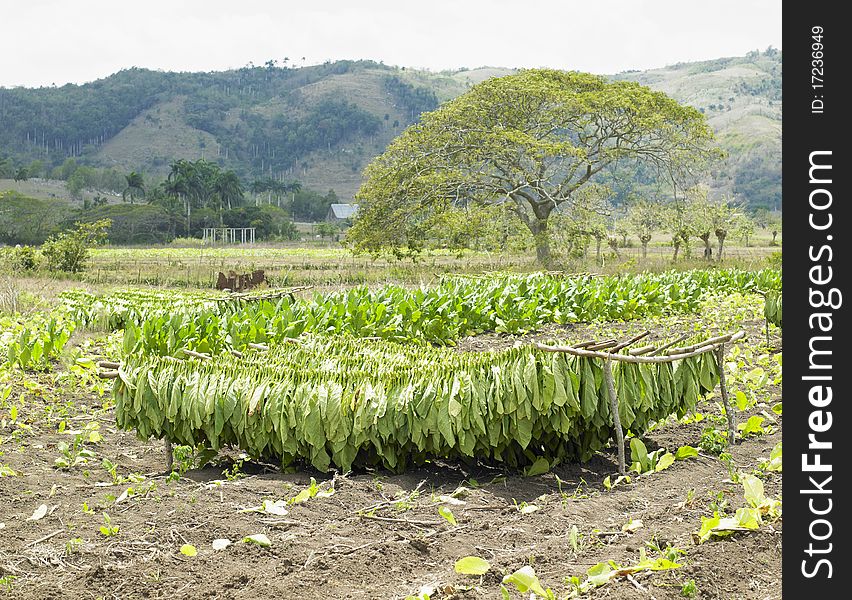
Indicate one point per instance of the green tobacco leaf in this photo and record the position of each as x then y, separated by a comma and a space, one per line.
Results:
639, 454
753, 489
775, 459
472, 565
600, 574
525, 580
539, 467
448, 515
685, 452
665, 461
754, 426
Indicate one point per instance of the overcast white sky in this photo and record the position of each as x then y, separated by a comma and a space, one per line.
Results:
45, 42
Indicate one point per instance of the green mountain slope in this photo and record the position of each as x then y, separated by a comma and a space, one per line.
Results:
323, 124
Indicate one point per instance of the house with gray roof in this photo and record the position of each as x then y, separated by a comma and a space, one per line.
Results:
338, 213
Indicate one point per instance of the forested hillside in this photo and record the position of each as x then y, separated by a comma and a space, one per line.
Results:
322, 124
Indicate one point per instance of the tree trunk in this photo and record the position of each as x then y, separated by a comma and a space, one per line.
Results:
644, 239
598, 249
542, 242
538, 227
721, 245
708, 250
676, 244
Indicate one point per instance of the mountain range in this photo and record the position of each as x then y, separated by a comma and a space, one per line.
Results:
323, 124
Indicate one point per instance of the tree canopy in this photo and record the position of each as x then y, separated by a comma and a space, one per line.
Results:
531, 140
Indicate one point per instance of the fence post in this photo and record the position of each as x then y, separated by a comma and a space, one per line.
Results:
723, 389
616, 417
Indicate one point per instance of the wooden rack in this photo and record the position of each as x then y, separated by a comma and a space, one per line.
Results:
664, 354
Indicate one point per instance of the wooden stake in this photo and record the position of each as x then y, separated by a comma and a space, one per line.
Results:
632, 340
669, 345
616, 417
720, 362
170, 457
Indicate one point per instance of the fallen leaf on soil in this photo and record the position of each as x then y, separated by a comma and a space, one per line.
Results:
39, 513
632, 525
472, 565
259, 539
450, 500
221, 544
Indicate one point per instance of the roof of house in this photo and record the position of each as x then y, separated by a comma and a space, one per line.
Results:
343, 211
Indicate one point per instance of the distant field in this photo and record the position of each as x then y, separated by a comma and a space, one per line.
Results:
48, 189
336, 266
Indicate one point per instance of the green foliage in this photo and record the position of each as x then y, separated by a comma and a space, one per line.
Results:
772, 307
25, 220
133, 223
33, 343
472, 565
456, 307
414, 99
69, 250
689, 589
108, 529
23, 258
644, 462
526, 580
747, 518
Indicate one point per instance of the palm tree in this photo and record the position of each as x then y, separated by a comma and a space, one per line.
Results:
135, 186
294, 187
228, 189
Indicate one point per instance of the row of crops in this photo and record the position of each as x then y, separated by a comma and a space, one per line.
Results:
362, 376
162, 322
35, 341
342, 401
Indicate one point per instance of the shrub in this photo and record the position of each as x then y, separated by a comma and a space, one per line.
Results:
23, 258
69, 250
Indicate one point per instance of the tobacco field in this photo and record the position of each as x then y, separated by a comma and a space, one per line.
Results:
428, 441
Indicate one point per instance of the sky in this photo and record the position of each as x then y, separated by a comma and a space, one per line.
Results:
47, 42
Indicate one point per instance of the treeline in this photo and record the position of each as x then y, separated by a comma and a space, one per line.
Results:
194, 196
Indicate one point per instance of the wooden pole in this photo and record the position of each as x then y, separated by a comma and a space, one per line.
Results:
708, 346
723, 389
616, 417
632, 340
170, 456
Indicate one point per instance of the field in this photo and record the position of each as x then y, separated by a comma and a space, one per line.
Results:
344, 441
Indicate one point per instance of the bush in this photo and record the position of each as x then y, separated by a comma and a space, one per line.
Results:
69, 250
24, 258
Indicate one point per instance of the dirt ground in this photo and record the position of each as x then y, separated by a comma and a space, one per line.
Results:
379, 536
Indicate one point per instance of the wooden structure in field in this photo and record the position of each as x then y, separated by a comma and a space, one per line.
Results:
650, 354
228, 235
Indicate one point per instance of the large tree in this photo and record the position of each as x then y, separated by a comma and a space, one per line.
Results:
533, 140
